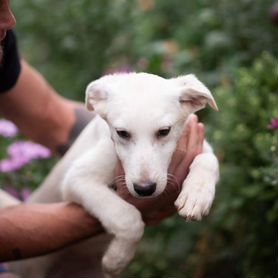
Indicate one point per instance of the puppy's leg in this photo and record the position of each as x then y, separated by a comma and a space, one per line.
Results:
86, 184
118, 218
198, 188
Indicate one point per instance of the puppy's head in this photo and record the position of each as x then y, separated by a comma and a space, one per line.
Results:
146, 114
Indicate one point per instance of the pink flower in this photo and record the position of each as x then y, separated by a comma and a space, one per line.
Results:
21, 153
25, 193
273, 123
28, 150
7, 128
12, 191
22, 194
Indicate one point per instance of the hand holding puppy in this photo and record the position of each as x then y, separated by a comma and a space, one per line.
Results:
156, 209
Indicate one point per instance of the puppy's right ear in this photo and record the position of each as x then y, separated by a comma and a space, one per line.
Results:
96, 97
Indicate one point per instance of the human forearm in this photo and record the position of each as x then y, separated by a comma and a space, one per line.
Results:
41, 113
33, 105
29, 230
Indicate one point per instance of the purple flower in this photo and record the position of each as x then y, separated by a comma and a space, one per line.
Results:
28, 150
274, 13
21, 153
25, 193
12, 191
7, 128
11, 164
273, 123
22, 194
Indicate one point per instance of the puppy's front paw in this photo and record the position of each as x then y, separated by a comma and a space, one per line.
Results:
114, 264
196, 198
128, 230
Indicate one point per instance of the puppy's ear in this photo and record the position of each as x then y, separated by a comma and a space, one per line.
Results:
96, 97
193, 93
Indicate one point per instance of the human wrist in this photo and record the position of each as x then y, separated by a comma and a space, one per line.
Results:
43, 228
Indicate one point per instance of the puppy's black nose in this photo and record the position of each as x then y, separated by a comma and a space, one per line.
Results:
146, 189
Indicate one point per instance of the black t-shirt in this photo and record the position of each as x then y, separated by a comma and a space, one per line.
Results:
10, 65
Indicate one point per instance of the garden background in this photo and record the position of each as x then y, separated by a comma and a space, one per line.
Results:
231, 46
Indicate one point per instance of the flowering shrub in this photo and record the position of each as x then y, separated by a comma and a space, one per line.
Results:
7, 128
21, 153
273, 124
239, 233
245, 138
21, 164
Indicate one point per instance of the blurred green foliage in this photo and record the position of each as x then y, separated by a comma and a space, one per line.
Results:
231, 46
238, 239
73, 43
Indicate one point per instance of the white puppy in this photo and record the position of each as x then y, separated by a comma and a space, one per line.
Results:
141, 119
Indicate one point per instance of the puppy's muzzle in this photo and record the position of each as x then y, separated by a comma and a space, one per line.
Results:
145, 189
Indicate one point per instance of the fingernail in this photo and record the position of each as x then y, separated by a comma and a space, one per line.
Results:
201, 126
193, 118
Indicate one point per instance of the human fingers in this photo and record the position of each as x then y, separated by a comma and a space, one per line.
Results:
179, 153
158, 215
192, 137
196, 138
201, 138
119, 181
194, 147
182, 142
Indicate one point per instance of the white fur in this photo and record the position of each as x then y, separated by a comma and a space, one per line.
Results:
140, 104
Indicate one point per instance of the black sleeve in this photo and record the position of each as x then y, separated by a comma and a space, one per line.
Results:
10, 64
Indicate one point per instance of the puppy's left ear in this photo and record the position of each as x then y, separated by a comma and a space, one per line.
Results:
96, 97
193, 93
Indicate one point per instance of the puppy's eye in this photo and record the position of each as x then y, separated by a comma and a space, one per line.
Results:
123, 134
163, 132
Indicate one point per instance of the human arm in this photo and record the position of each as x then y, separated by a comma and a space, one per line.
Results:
29, 230
41, 113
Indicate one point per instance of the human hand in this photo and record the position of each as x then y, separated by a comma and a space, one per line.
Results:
158, 208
